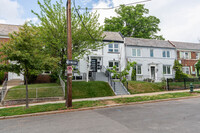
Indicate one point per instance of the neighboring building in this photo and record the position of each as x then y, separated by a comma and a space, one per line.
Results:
188, 54
5, 29
155, 58
112, 53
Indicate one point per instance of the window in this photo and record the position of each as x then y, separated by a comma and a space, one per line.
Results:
197, 55
136, 52
113, 63
166, 54
166, 69
151, 53
186, 70
113, 48
139, 69
185, 55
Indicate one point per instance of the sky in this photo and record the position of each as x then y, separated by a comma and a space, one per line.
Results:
180, 19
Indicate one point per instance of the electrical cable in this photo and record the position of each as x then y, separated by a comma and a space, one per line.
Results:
82, 21
115, 6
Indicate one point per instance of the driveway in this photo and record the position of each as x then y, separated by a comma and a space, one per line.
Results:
181, 116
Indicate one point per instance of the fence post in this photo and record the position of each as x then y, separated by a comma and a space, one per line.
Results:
114, 86
127, 84
184, 83
167, 84
36, 94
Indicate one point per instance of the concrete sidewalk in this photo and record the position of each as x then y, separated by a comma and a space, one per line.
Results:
102, 98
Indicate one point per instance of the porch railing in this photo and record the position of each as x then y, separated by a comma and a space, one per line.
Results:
3, 91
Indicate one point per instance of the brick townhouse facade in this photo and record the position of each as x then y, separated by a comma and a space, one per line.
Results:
188, 55
5, 30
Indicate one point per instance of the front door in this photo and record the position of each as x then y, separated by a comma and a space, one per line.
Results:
94, 65
153, 72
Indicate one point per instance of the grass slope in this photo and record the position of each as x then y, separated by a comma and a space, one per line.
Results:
80, 89
135, 87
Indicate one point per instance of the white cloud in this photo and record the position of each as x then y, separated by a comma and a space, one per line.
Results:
11, 12
179, 19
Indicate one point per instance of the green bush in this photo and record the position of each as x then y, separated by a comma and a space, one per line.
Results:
54, 77
1, 77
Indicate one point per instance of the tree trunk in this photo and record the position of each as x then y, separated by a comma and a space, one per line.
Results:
26, 90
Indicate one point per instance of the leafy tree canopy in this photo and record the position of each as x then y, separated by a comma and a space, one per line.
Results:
53, 31
132, 21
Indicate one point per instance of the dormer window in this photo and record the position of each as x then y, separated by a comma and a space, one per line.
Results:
114, 47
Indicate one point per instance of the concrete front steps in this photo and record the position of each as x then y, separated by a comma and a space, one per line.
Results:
15, 82
119, 88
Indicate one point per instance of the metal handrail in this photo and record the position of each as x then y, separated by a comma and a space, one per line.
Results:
4, 89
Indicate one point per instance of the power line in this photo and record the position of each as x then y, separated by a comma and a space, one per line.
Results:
82, 21
115, 6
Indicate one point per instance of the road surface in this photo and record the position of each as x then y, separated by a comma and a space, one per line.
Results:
182, 116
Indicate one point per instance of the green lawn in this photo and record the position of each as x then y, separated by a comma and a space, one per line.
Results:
135, 87
83, 104
80, 89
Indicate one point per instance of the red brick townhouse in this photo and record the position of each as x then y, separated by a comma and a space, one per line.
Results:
5, 29
188, 54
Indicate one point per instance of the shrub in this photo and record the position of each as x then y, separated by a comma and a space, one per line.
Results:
1, 77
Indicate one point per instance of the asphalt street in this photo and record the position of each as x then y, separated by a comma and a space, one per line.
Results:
182, 116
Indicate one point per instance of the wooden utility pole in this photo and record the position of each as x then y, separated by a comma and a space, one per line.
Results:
69, 55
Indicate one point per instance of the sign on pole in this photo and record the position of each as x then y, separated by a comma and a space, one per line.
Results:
69, 69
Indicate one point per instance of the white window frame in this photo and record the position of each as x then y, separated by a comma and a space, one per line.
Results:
114, 50
152, 51
166, 69
113, 64
136, 52
137, 69
185, 69
166, 51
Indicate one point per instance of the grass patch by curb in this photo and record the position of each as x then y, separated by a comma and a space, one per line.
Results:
136, 87
83, 104
155, 97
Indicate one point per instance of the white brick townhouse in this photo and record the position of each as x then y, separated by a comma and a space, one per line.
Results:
155, 58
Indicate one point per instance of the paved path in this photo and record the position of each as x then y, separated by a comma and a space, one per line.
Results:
103, 98
180, 116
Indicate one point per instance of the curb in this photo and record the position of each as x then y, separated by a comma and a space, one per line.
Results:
92, 108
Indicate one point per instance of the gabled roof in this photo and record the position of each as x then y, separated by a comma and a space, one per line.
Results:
186, 45
5, 29
113, 36
147, 42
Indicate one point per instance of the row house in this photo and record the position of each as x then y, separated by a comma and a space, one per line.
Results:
155, 58
5, 29
188, 55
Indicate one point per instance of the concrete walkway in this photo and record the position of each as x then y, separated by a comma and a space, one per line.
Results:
101, 98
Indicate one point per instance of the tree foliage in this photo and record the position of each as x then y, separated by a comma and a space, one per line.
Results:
132, 21
25, 54
178, 68
53, 31
122, 75
197, 66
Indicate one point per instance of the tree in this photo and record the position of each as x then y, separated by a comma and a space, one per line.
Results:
132, 21
25, 53
122, 75
197, 66
53, 31
178, 68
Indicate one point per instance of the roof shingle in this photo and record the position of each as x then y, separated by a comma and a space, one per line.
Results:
113, 36
147, 42
5, 29
186, 45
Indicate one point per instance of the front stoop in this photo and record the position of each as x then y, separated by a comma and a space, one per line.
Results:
15, 82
